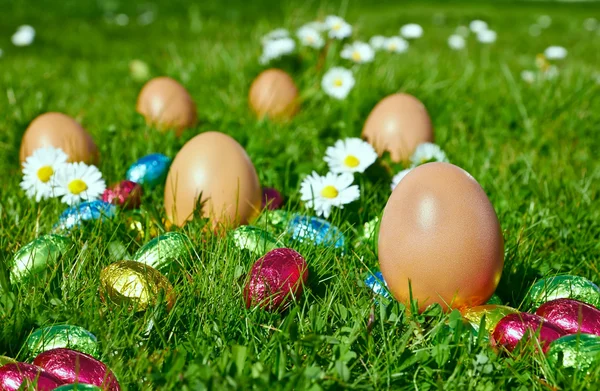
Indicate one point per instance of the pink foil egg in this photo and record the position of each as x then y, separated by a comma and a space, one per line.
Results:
573, 316
514, 327
271, 198
274, 278
71, 366
12, 376
126, 194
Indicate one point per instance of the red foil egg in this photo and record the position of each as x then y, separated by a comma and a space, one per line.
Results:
71, 366
126, 194
514, 327
271, 198
572, 316
275, 278
12, 376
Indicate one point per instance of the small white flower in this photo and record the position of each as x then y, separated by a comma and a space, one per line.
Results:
78, 182
544, 21
411, 31
463, 31
396, 45
275, 34
338, 82
325, 192
478, 26
24, 36
350, 155
535, 30
359, 52
316, 25
528, 76
277, 48
338, 27
487, 36
398, 177
309, 36
427, 152
456, 42
555, 52
377, 42
590, 24
39, 172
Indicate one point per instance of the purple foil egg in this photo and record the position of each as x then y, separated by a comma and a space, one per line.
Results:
573, 316
271, 198
71, 366
514, 327
126, 194
12, 376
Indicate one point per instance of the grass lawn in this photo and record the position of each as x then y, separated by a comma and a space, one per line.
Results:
532, 147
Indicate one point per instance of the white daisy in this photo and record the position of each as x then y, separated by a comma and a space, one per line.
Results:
456, 42
463, 31
350, 155
555, 52
359, 52
398, 177
277, 48
24, 36
396, 45
78, 182
338, 27
544, 21
478, 26
275, 34
528, 76
411, 31
317, 25
309, 36
321, 193
487, 36
338, 82
427, 152
39, 172
590, 24
377, 42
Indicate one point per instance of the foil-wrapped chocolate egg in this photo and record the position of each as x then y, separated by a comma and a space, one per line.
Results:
61, 336
490, 313
274, 220
141, 225
276, 279
377, 284
78, 387
511, 329
274, 94
212, 172
165, 251
166, 104
580, 352
126, 194
398, 124
495, 299
6, 360
316, 231
86, 211
271, 199
440, 239
572, 316
22, 376
562, 287
135, 285
39, 255
59, 131
150, 170
257, 241
71, 366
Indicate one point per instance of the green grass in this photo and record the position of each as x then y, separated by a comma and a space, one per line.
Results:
533, 148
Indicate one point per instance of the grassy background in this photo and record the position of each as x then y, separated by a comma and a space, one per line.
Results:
533, 148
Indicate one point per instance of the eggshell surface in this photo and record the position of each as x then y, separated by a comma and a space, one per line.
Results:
398, 124
214, 171
440, 233
58, 130
274, 94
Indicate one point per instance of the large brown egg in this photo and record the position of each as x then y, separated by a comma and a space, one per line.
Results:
59, 131
398, 124
166, 104
274, 94
440, 233
212, 171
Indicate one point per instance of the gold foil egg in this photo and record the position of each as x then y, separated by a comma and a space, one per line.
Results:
135, 285
166, 104
59, 131
274, 94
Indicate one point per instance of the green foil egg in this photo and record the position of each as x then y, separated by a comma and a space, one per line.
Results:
78, 387
164, 250
38, 255
6, 360
62, 336
274, 220
257, 241
562, 287
578, 351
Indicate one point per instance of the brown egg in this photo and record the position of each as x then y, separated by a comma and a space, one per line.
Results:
216, 168
440, 232
60, 131
398, 124
166, 104
274, 94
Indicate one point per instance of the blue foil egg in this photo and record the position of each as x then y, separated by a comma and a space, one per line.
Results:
89, 210
315, 230
150, 170
377, 284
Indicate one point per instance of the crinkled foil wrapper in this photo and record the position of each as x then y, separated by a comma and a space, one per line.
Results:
150, 170
317, 231
89, 210
40, 254
580, 352
62, 336
256, 240
377, 284
164, 251
493, 314
562, 287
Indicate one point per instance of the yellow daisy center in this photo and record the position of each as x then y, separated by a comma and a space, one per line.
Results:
351, 161
45, 173
337, 26
338, 82
310, 39
393, 46
356, 56
329, 192
77, 186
